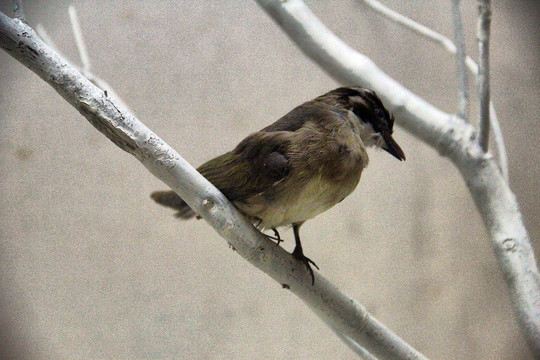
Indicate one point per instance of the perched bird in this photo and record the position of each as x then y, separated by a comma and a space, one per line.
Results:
301, 165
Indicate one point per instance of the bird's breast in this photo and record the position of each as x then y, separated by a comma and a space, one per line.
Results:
299, 202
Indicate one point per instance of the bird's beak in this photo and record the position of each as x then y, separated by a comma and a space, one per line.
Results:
392, 147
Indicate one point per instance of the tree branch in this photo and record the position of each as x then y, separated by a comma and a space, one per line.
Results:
420, 29
484, 24
452, 48
335, 308
456, 140
463, 83
499, 142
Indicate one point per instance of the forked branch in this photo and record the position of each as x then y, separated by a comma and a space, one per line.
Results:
446, 43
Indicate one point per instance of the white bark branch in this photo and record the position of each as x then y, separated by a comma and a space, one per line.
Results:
456, 140
463, 83
408, 23
452, 48
335, 308
499, 143
484, 24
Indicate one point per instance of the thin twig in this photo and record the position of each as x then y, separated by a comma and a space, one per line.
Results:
79, 39
499, 142
484, 24
471, 65
18, 10
463, 82
413, 25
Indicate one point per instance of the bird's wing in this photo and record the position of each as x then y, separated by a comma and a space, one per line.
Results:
257, 163
311, 111
262, 159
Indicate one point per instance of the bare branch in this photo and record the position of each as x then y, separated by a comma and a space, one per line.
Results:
335, 308
18, 10
81, 45
451, 47
413, 25
484, 24
463, 83
494, 199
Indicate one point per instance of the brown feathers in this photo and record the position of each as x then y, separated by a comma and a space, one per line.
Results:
302, 164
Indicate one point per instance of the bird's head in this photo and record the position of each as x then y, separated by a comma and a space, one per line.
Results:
375, 123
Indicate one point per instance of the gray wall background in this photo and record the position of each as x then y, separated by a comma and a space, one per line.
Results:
92, 269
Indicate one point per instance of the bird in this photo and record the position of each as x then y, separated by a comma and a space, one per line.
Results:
301, 165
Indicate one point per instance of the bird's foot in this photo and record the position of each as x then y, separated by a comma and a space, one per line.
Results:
276, 238
299, 254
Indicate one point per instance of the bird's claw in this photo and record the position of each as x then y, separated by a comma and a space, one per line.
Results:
276, 238
307, 262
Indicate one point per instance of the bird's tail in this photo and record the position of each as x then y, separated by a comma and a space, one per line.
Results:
172, 200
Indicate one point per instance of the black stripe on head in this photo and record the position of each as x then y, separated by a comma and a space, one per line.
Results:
368, 106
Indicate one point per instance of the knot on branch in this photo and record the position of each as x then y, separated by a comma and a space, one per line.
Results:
509, 245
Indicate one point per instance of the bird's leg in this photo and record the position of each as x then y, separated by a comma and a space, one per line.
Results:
299, 253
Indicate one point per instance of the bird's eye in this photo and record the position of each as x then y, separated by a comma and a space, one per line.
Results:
379, 113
